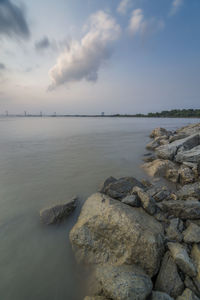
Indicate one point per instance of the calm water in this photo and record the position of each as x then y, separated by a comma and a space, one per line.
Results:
49, 160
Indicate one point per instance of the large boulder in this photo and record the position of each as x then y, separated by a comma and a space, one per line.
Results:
124, 282
109, 231
184, 209
57, 213
192, 155
168, 279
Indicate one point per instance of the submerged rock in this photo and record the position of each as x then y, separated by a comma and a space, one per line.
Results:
109, 231
57, 213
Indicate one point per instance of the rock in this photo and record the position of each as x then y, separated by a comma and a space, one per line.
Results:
189, 129
173, 230
172, 175
176, 137
158, 167
153, 144
168, 279
105, 184
195, 254
148, 203
121, 188
188, 209
189, 190
109, 231
95, 298
188, 295
57, 213
124, 282
191, 285
160, 296
132, 200
192, 234
182, 259
192, 155
186, 175
149, 158
158, 132
169, 151
159, 193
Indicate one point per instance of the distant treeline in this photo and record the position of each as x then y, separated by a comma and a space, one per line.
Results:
174, 113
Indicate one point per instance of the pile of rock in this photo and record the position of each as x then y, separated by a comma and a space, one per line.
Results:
142, 241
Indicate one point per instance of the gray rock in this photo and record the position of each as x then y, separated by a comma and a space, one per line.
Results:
160, 296
173, 230
188, 209
192, 155
168, 279
57, 213
195, 254
108, 231
186, 175
188, 295
105, 184
182, 259
153, 144
172, 175
132, 200
124, 282
191, 285
192, 234
148, 202
95, 298
158, 132
189, 190
158, 167
159, 193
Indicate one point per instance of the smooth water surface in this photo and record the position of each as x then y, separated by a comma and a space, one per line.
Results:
48, 160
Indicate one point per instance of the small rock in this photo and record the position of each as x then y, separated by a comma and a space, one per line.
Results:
186, 175
148, 203
191, 285
192, 234
57, 213
173, 231
160, 296
182, 259
195, 254
188, 295
159, 193
172, 175
105, 184
132, 200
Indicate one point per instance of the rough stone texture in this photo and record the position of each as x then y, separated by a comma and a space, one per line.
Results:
159, 193
153, 144
173, 230
158, 167
105, 184
132, 200
192, 234
95, 298
192, 155
189, 190
195, 254
182, 259
124, 282
148, 202
186, 175
172, 175
168, 279
189, 283
109, 231
57, 213
188, 209
121, 188
160, 296
188, 295
158, 132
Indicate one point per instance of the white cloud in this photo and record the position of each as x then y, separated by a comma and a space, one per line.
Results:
176, 4
82, 60
123, 6
138, 25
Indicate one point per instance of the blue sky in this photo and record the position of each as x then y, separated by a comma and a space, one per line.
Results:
90, 56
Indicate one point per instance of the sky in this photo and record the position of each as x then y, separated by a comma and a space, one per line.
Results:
85, 57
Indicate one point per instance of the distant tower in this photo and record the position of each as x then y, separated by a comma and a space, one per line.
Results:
103, 114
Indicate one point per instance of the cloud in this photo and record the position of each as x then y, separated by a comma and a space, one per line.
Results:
82, 60
42, 44
138, 25
12, 20
123, 7
176, 4
2, 66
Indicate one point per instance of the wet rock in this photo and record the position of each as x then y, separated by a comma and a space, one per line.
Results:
168, 279
188, 295
132, 200
189, 190
124, 282
182, 259
158, 167
188, 209
173, 230
186, 175
147, 202
158, 132
57, 213
160, 296
108, 231
106, 183
192, 234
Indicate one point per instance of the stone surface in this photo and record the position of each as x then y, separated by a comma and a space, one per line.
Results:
172, 175
160, 296
132, 200
188, 209
188, 295
57, 213
158, 167
124, 282
192, 155
192, 234
173, 230
186, 175
159, 193
95, 298
147, 202
157, 132
182, 259
109, 231
195, 254
168, 279
189, 283
189, 190
105, 184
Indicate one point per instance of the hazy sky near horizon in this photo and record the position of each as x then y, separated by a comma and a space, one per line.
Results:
116, 56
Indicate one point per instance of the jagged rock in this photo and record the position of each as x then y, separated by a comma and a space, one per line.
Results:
192, 234
189, 190
188, 295
95, 298
173, 231
176, 137
159, 193
160, 296
132, 200
57, 213
157, 132
109, 231
158, 167
195, 254
124, 282
172, 175
148, 203
184, 209
105, 184
182, 259
168, 279
153, 144
186, 175
119, 189
192, 155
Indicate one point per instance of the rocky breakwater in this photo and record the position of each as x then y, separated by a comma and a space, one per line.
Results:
142, 241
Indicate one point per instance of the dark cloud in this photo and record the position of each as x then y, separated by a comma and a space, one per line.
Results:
42, 44
2, 66
12, 20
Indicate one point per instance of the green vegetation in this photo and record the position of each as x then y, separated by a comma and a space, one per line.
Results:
175, 113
